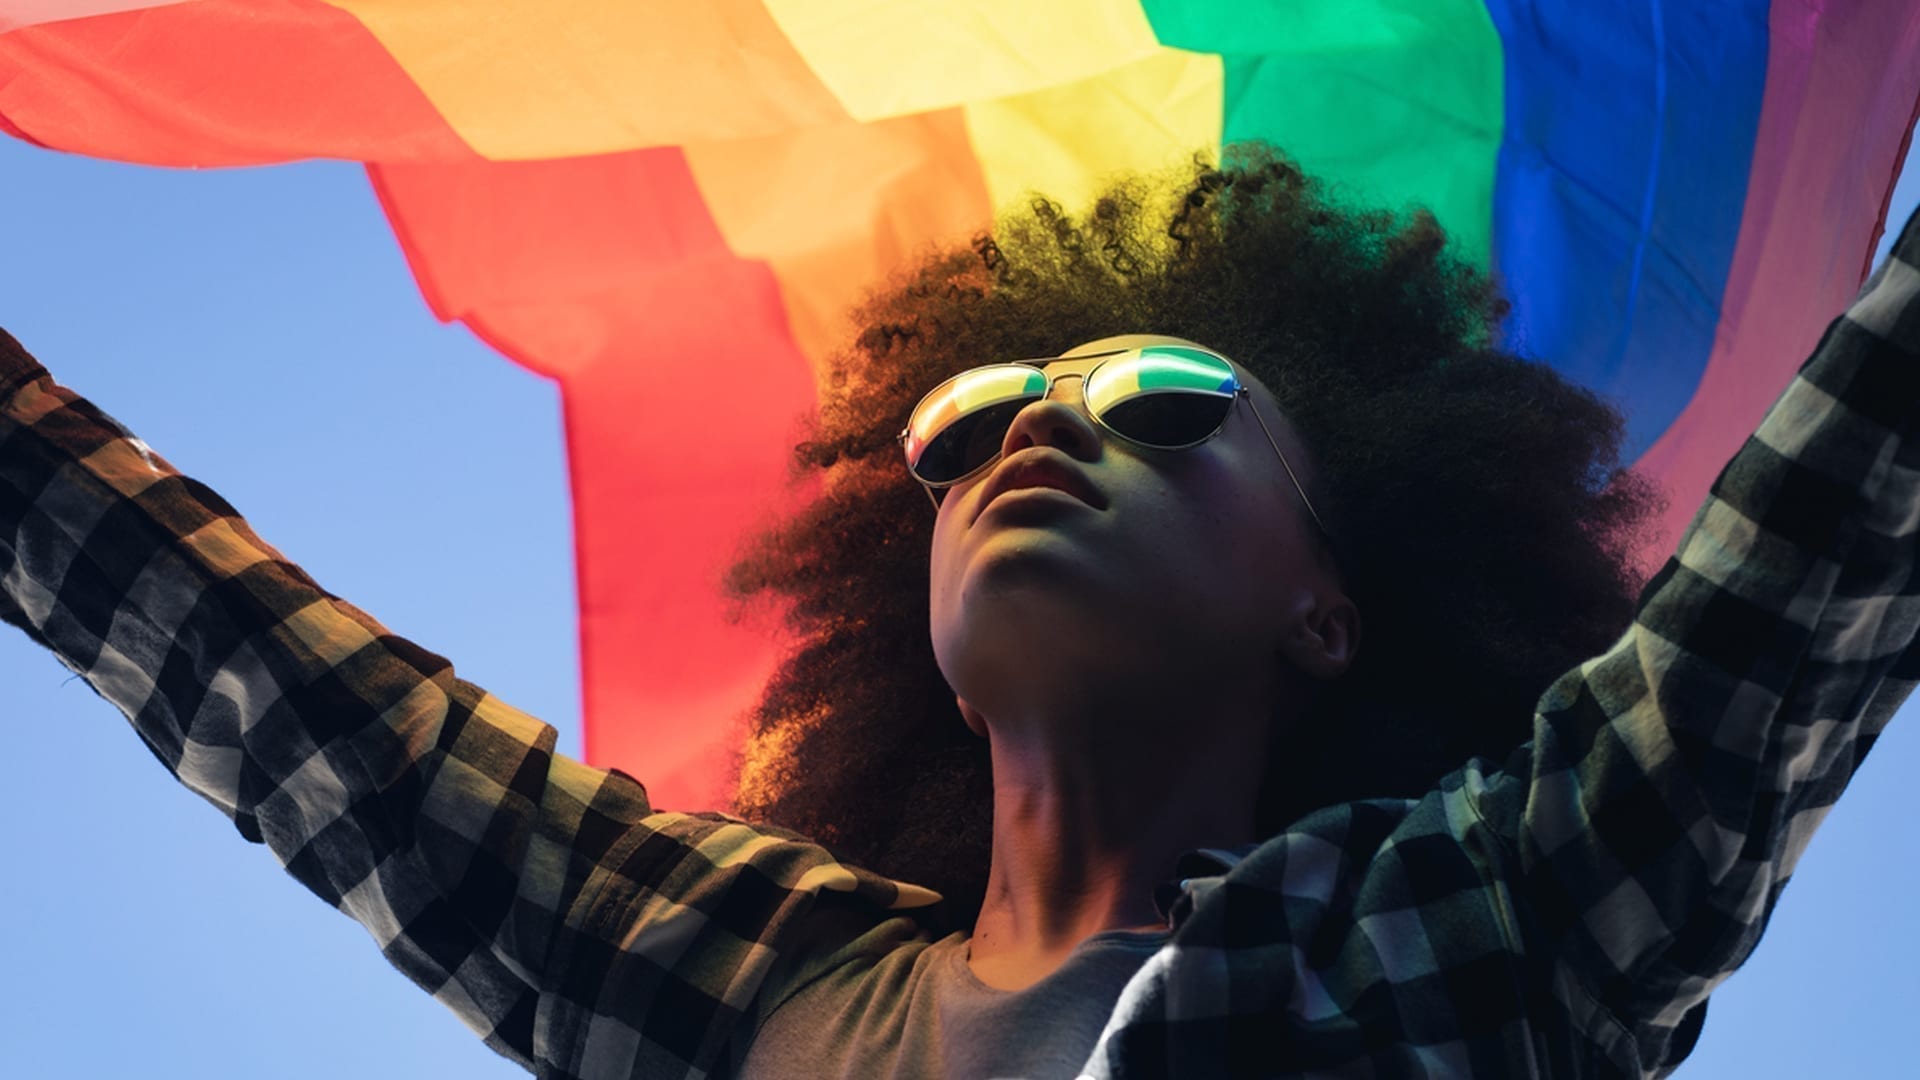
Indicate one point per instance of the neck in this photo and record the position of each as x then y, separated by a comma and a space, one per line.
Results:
1084, 828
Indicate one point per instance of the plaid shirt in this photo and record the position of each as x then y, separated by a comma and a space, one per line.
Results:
1565, 912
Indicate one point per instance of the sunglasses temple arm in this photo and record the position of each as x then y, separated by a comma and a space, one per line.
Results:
1308, 503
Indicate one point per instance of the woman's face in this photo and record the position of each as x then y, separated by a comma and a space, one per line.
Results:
1161, 565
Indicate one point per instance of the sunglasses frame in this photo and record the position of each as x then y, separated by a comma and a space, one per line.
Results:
1240, 392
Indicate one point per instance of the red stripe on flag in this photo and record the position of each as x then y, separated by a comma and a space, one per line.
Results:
218, 82
682, 388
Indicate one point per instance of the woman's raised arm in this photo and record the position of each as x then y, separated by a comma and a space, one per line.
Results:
576, 930
1675, 780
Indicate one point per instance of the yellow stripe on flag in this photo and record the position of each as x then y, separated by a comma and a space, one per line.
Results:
958, 51
1066, 141
522, 79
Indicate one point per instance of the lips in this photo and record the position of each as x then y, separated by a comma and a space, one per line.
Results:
1040, 466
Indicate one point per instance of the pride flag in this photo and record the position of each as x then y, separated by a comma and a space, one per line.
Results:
1676, 195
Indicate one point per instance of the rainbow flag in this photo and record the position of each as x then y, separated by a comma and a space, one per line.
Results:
1676, 195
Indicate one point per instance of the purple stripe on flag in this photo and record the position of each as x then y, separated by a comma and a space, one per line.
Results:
1842, 94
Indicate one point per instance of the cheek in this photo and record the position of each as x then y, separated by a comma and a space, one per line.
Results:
942, 552
1228, 494
1239, 531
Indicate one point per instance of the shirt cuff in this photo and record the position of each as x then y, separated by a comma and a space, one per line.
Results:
17, 369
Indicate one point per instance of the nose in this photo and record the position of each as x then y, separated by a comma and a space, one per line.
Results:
1059, 420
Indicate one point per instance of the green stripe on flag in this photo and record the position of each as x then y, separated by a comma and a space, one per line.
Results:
1394, 102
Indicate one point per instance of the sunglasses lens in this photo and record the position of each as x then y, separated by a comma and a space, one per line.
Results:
1165, 396
959, 425
968, 442
1169, 418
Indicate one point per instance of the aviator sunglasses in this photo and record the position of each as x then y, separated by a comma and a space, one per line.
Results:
1164, 397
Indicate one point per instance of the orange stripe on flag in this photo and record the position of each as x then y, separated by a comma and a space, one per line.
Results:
218, 82
832, 209
523, 79
682, 388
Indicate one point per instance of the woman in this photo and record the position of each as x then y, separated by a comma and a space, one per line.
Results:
1357, 555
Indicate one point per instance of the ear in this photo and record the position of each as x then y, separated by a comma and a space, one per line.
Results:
975, 722
1322, 634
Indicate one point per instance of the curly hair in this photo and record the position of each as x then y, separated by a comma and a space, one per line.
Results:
1483, 524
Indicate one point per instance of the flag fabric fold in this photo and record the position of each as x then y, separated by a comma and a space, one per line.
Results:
1677, 196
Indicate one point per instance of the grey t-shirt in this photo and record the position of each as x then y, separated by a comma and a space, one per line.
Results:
916, 1012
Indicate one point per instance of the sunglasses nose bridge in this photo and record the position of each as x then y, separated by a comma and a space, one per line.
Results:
1041, 414
1055, 384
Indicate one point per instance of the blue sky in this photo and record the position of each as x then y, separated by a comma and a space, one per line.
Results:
260, 329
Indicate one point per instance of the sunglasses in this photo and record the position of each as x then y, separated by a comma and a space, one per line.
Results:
1163, 397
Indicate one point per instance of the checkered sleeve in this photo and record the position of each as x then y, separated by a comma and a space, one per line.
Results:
579, 932
1675, 780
